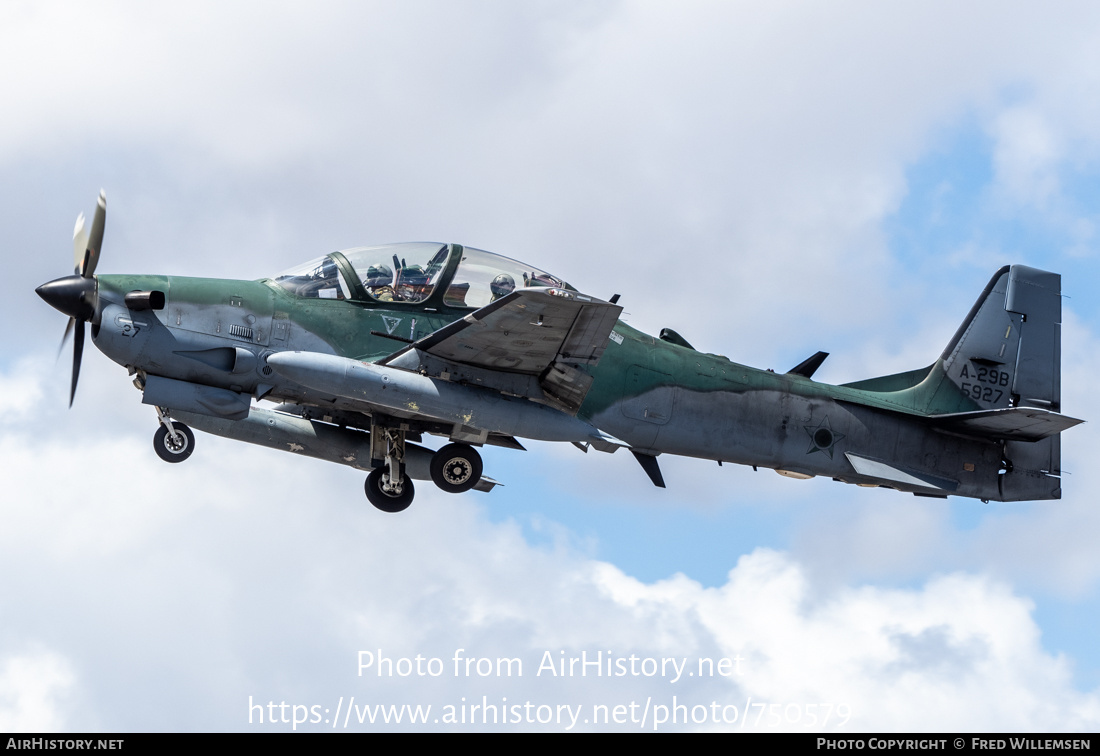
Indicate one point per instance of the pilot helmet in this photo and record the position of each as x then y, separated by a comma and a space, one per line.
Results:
378, 275
502, 286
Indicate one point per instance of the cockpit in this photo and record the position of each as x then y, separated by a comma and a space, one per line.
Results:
425, 273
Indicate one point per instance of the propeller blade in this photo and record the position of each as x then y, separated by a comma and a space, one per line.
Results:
80, 244
95, 237
65, 337
78, 349
76, 295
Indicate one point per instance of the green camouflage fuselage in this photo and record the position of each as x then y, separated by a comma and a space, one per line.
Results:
653, 395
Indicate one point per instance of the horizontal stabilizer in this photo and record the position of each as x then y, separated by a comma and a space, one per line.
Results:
808, 366
1011, 423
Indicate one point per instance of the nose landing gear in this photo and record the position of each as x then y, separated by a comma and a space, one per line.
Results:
173, 441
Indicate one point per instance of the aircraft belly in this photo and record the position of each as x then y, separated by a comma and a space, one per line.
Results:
811, 436
760, 427
643, 416
278, 430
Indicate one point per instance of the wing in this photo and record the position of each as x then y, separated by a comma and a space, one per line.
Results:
537, 342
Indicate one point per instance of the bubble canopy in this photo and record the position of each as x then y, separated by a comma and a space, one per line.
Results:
414, 273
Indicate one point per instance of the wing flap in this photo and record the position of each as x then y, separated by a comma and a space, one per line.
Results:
588, 337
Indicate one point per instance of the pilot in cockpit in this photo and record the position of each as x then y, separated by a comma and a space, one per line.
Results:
502, 286
379, 283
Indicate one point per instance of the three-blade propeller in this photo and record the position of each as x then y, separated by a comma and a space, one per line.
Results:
75, 295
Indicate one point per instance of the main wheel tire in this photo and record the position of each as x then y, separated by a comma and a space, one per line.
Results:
174, 449
456, 468
385, 501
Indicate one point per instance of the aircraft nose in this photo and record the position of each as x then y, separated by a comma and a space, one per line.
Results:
72, 295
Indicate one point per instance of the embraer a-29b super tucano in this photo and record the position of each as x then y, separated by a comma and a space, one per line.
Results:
365, 351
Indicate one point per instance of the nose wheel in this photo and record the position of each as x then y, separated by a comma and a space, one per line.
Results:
173, 442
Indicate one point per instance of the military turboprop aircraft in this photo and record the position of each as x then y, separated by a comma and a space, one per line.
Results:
367, 350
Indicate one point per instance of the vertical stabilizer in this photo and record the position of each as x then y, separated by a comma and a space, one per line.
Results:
1008, 353
1008, 350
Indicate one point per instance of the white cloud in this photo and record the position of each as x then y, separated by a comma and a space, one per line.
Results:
21, 388
33, 686
956, 641
1027, 156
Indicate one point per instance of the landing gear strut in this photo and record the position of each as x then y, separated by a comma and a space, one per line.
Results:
387, 487
173, 441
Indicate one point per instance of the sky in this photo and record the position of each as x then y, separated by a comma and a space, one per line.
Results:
767, 179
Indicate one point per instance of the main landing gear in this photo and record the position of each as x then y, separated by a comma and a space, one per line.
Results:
388, 487
173, 441
455, 468
388, 495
